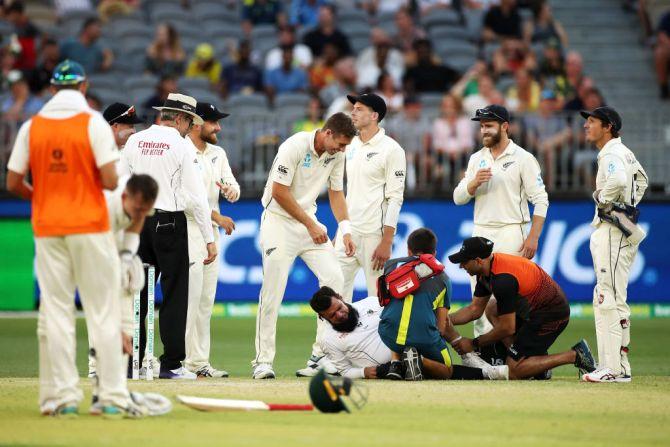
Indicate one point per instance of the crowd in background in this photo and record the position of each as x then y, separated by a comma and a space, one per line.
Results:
521, 59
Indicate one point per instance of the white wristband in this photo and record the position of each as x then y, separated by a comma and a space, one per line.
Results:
131, 242
345, 227
455, 340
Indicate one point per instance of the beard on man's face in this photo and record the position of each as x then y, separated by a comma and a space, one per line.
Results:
210, 138
350, 323
494, 139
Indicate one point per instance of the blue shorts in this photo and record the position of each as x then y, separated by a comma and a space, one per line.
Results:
436, 351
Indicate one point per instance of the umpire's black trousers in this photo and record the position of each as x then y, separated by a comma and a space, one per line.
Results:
164, 244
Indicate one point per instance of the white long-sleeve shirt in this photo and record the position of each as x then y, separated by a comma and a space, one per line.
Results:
620, 178
375, 183
503, 200
298, 166
214, 166
351, 352
164, 154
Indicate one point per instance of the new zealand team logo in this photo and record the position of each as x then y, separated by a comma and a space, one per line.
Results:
328, 160
507, 165
369, 155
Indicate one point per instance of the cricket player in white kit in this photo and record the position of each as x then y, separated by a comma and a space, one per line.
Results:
71, 154
502, 177
375, 165
202, 279
305, 164
620, 184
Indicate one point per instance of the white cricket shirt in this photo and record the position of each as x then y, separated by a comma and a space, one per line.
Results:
351, 352
164, 154
503, 200
298, 166
375, 183
620, 178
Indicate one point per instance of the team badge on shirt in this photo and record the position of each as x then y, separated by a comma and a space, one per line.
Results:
307, 162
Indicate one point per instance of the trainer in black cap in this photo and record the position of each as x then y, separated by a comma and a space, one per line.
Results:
607, 115
209, 112
492, 112
473, 248
375, 102
120, 113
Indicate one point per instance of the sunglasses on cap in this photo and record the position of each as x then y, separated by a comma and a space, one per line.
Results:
488, 114
129, 113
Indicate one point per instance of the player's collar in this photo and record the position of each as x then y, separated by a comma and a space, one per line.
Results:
609, 145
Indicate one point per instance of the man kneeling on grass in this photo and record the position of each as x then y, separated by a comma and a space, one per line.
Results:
528, 313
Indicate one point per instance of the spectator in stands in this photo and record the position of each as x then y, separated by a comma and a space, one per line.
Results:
287, 78
374, 7
7, 61
165, 55
322, 72
546, 134
574, 75
166, 85
425, 7
524, 95
305, 13
313, 118
302, 55
378, 57
551, 63
27, 33
241, 76
262, 12
93, 101
662, 55
452, 140
109, 8
20, 105
87, 50
204, 65
406, 32
392, 96
486, 93
327, 32
426, 75
64, 7
544, 27
344, 82
412, 131
512, 55
587, 93
502, 22
39, 79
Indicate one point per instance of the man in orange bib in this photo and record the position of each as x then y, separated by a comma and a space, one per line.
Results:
70, 152
529, 313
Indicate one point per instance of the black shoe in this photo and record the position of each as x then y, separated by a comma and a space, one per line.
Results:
395, 371
412, 363
584, 359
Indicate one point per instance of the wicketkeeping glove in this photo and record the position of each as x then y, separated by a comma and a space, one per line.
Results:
132, 273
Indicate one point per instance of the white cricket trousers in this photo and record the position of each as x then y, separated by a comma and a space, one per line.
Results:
613, 257
202, 281
88, 263
281, 241
506, 239
365, 247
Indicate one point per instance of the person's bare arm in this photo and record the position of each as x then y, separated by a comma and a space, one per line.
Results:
16, 185
338, 205
470, 312
224, 222
109, 176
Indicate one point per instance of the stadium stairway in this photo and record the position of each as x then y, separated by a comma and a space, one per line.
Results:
608, 38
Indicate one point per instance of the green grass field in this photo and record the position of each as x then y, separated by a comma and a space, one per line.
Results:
562, 411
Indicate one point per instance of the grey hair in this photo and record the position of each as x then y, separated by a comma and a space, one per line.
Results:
169, 115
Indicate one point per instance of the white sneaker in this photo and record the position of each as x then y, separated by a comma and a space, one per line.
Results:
473, 360
314, 364
603, 375
209, 371
498, 372
178, 374
263, 371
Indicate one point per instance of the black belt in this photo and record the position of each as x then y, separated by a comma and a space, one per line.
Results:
167, 212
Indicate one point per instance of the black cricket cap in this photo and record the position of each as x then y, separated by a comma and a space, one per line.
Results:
492, 112
607, 115
209, 112
473, 248
375, 102
121, 113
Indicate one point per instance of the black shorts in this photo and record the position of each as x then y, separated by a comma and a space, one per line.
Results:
535, 336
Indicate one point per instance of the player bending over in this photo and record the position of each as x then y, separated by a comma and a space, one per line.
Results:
530, 311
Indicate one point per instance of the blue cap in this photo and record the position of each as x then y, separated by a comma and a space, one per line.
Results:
68, 72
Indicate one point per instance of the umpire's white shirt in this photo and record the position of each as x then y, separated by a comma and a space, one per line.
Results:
298, 166
351, 352
503, 200
620, 178
375, 183
163, 153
